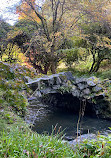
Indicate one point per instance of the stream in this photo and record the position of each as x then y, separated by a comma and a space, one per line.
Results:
44, 118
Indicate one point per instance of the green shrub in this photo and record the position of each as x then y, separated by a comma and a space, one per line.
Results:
13, 88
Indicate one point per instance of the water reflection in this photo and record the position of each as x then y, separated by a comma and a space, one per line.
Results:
44, 117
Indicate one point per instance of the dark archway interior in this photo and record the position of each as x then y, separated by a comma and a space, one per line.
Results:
68, 102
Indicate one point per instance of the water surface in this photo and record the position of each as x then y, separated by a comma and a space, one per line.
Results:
45, 117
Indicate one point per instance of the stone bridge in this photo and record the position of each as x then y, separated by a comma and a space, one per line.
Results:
65, 82
89, 89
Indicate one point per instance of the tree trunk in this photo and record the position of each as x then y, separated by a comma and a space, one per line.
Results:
96, 68
46, 67
94, 61
92, 67
1, 56
39, 69
53, 67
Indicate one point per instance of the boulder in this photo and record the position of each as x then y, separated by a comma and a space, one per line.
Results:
69, 76
93, 81
81, 138
82, 86
76, 93
97, 88
80, 80
86, 91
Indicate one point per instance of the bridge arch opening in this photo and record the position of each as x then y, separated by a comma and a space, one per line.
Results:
68, 102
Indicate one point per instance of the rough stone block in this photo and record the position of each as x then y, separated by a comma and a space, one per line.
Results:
93, 81
82, 86
97, 88
38, 94
86, 91
80, 80
76, 93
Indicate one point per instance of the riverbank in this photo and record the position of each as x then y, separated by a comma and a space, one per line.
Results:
18, 140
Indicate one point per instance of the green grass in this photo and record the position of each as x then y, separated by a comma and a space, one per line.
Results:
18, 141
22, 143
103, 74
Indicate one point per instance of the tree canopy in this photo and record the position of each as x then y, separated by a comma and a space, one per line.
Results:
51, 31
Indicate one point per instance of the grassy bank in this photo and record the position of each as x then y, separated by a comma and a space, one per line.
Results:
16, 138
82, 68
18, 141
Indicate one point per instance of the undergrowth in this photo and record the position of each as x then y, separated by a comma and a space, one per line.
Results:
23, 143
95, 148
82, 68
13, 89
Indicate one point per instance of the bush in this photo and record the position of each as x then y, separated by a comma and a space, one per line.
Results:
73, 55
